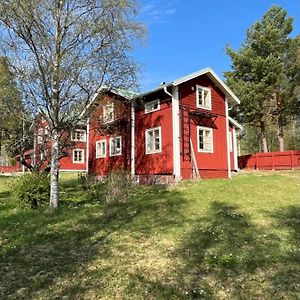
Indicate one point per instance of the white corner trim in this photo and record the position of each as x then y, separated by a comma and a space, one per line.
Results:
235, 150
176, 133
132, 153
227, 139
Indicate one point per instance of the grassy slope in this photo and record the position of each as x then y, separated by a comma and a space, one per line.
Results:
220, 239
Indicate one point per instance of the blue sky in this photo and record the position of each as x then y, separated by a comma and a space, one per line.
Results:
187, 35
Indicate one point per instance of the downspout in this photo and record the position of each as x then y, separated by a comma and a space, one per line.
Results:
227, 139
175, 132
132, 152
87, 146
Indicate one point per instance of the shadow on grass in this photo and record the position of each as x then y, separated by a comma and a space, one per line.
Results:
5, 194
286, 279
219, 258
44, 252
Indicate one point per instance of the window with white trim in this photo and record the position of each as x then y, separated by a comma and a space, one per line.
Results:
101, 149
203, 97
152, 106
40, 136
153, 140
230, 141
205, 139
115, 146
78, 135
108, 113
78, 156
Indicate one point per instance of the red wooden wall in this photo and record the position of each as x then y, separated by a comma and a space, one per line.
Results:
210, 165
103, 166
271, 160
156, 163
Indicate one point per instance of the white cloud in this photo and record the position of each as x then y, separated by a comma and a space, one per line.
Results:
158, 11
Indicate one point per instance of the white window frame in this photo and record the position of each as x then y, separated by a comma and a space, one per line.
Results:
105, 121
148, 105
203, 89
40, 136
110, 146
209, 129
105, 149
73, 156
146, 140
82, 134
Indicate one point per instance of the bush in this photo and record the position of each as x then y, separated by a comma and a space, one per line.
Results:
117, 187
32, 190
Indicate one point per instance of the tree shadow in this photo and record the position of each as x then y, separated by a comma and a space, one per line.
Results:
286, 279
47, 253
216, 259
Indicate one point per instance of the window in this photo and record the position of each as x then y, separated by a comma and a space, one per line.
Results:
152, 106
78, 135
40, 137
78, 156
115, 146
101, 149
108, 113
205, 139
153, 140
203, 97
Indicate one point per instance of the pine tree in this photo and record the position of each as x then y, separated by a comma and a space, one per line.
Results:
262, 75
11, 110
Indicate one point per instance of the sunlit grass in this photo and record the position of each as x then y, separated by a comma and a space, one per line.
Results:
219, 239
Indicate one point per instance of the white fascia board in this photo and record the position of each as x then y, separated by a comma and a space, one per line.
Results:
228, 92
235, 123
118, 92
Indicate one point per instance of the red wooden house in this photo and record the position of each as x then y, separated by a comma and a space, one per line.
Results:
179, 130
74, 153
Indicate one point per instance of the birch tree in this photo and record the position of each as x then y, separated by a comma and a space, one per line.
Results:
63, 51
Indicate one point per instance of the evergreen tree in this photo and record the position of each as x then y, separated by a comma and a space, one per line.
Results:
264, 74
12, 111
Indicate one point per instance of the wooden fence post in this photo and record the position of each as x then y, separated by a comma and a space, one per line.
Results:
292, 160
256, 160
272, 159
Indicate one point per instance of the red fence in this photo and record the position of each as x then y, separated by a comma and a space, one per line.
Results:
10, 169
271, 161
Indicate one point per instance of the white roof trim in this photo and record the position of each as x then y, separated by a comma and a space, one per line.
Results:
226, 90
103, 88
235, 123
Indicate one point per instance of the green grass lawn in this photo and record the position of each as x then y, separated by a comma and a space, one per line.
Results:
215, 239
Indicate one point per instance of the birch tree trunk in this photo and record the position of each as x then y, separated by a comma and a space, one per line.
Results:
54, 190
280, 133
264, 141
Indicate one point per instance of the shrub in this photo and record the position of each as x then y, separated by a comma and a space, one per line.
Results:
117, 187
32, 190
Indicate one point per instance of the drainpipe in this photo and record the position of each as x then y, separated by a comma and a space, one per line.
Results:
132, 152
87, 146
